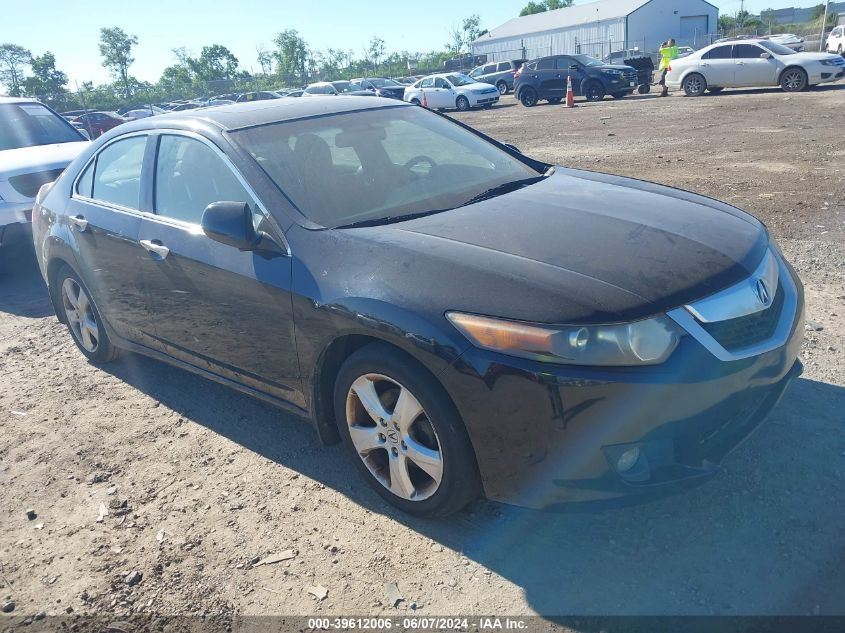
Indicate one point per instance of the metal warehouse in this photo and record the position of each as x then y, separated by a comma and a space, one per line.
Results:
599, 28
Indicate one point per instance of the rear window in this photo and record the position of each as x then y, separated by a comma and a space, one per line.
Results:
31, 124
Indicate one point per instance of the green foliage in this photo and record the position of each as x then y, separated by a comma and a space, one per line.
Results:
214, 63
116, 51
13, 61
544, 5
47, 83
291, 56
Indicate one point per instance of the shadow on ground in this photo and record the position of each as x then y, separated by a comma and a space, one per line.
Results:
763, 537
22, 290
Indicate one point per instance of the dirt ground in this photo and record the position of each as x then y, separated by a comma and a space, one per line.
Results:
195, 483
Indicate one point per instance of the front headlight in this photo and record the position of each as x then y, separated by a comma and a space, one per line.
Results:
647, 342
829, 62
617, 73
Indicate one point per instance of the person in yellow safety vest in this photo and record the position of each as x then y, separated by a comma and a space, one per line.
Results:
668, 52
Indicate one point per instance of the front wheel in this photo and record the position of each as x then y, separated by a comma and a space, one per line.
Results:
82, 318
503, 87
793, 80
462, 103
594, 91
528, 97
694, 85
404, 433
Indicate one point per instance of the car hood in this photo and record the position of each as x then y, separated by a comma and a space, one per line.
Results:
577, 247
25, 160
817, 57
622, 67
478, 85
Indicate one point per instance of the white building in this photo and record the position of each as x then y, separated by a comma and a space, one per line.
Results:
599, 28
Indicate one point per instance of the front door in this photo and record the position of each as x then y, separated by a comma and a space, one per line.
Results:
220, 309
103, 213
568, 67
717, 66
751, 69
442, 95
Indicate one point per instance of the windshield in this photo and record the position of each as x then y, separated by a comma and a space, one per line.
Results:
378, 164
777, 49
31, 124
586, 60
459, 79
346, 86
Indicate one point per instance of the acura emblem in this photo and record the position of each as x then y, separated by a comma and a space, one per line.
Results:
762, 292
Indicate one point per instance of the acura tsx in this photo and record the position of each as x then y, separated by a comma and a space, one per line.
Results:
467, 320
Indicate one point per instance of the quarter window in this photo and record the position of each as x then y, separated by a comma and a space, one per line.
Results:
86, 181
190, 176
117, 178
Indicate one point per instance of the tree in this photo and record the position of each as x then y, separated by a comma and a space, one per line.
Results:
13, 60
727, 23
265, 59
215, 62
47, 81
544, 5
291, 56
375, 52
116, 50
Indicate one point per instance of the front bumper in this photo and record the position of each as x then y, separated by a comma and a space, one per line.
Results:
547, 434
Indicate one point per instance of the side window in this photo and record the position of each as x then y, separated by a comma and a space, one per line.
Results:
720, 52
504, 66
747, 51
547, 63
440, 83
86, 181
117, 178
489, 69
189, 176
563, 63
428, 82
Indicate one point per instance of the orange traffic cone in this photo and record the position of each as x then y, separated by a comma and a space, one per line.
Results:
570, 96
425, 100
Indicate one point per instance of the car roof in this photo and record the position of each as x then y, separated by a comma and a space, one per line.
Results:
243, 115
18, 100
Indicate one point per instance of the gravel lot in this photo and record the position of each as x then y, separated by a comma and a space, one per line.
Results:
198, 482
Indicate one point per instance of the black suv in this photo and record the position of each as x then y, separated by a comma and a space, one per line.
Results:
545, 78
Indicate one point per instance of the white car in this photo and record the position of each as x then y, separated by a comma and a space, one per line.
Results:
751, 63
445, 91
836, 40
789, 40
36, 145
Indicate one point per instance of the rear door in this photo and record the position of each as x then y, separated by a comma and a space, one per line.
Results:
717, 66
104, 213
220, 309
547, 80
751, 69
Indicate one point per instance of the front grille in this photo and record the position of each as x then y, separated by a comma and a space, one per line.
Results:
28, 184
744, 331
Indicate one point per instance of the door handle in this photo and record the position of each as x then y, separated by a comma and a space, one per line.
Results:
704, 64
79, 222
155, 247
740, 63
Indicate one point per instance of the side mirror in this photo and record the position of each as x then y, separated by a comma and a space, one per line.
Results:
573, 68
230, 223
765, 55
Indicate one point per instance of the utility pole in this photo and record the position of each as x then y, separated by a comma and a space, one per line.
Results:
824, 23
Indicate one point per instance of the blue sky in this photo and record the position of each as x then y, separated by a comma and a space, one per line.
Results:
71, 29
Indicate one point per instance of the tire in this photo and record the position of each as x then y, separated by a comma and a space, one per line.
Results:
416, 101
462, 104
619, 95
503, 87
644, 89
554, 100
694, 85
594, 91
528, 97
793, 80
82, 318
433, 431
714, 90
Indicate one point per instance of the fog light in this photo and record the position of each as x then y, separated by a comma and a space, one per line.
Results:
627, 460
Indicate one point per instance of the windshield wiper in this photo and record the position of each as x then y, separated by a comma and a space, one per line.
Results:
504, 188
390, 219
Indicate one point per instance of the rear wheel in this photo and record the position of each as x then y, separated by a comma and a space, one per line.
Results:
528, 97
793, 80
404, 433
82, 318
594, 91
462, 103
694, 85
502, 86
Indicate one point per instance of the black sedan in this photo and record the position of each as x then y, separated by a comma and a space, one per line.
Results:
466, 319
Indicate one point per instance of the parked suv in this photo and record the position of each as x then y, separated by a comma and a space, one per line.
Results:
499, 74
545, 78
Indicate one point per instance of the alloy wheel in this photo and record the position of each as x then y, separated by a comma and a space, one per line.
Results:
793, 80
694, 85
80, 315
462, 104
503, 88
393, 436
528, 97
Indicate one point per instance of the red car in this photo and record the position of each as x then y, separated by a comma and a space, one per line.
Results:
98, 123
